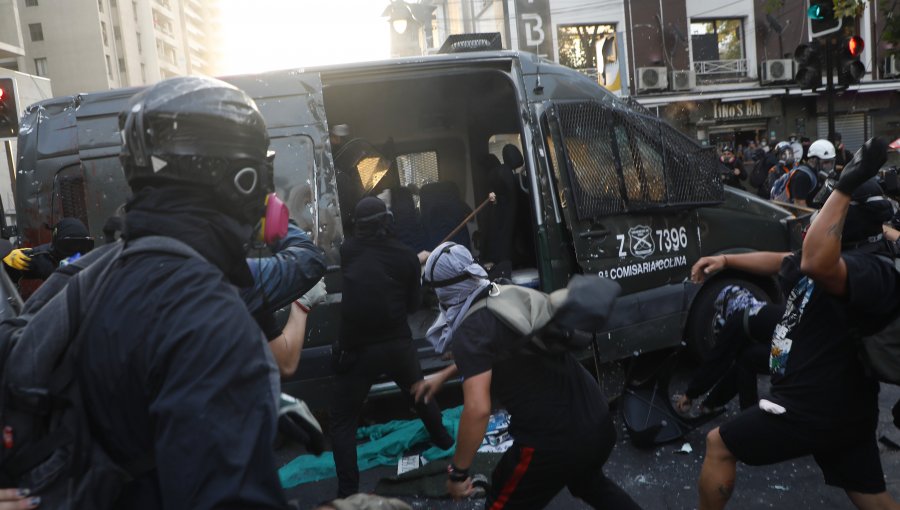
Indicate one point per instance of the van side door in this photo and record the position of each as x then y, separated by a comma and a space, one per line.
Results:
292, 104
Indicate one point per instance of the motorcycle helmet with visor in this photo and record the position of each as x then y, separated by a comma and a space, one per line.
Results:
824, 152
199, 132
785, 153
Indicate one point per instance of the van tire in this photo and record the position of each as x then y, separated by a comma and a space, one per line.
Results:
699, 330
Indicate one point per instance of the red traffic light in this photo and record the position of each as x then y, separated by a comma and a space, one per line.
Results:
855, 46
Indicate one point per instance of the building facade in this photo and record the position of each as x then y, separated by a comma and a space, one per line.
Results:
87, 45
720, 70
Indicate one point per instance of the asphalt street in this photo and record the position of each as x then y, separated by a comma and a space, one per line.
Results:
660, 478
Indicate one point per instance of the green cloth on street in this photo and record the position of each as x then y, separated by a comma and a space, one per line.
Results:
387, 443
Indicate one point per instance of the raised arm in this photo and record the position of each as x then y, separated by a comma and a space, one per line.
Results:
821, 259
295, 266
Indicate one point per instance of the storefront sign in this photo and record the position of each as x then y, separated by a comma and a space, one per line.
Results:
740, 110
534, 27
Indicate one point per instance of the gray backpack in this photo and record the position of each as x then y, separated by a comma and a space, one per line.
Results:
548, 322
47, 442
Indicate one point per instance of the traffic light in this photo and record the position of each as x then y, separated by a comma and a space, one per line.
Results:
809, 65
850, 69
820, 14
9, 108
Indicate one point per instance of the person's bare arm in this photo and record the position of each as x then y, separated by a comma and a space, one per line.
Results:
472, 426
426, 388
288, 346
821, 259
764, 263
891, 233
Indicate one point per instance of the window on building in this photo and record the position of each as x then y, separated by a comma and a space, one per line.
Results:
590, 49
100, 5
717, 47
117, 32
134, 9
31, 3
143, 73
40, 66
121, 65
140, 46
104, 33
112, 3
109, 69
37, 31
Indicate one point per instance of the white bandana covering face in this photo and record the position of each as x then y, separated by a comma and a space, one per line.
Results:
447, 261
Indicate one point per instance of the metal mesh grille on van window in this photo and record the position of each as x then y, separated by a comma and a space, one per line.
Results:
418, 168
622, 160
70, 193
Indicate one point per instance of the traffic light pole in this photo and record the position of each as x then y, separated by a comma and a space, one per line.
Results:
829, 86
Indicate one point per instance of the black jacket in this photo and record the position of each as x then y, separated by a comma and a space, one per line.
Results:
175, 365
380, 288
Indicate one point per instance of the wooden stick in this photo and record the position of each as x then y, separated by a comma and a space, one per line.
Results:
793, 206
492, 198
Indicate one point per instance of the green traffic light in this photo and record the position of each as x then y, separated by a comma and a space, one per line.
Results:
815, 12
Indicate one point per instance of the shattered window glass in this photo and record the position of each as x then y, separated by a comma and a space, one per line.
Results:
371, 169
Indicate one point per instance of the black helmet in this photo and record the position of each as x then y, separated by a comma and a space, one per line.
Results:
199, 132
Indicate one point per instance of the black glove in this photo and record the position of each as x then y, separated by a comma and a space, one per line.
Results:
864, 165
297, 423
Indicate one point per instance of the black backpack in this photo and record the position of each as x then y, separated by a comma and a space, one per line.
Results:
759, 173
47, 443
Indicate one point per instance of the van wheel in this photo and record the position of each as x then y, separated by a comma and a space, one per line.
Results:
699, 331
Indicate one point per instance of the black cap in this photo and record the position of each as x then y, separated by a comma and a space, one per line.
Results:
369, 209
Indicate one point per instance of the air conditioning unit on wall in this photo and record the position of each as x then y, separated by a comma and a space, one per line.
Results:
892, 66
652, 78
777, 70
684, 80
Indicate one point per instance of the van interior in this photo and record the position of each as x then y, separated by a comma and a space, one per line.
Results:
434, 146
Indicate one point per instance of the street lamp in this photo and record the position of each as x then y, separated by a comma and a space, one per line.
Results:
401, 13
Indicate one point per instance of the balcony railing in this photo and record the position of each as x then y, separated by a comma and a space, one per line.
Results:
721, 67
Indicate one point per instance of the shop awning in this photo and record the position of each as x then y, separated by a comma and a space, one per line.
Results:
737, 95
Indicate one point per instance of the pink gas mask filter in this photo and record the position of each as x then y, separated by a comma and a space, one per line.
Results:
274, 225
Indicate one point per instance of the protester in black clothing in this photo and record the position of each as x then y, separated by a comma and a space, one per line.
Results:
175, 368
733, 170
822, 402
744, 328
380, 288
70, 238
551, 400
841, 155
499, 236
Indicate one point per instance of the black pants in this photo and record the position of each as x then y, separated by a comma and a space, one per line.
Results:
741, 352
529, 478
396, 360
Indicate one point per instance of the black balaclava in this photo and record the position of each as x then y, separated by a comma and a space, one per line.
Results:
70, 236
373, 219
868, 211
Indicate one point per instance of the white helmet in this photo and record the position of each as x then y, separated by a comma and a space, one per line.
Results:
822, 149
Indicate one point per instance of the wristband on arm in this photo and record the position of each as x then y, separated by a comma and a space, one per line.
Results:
456, 474
302, 306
